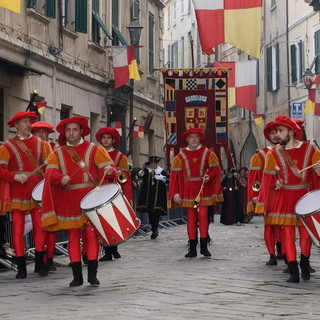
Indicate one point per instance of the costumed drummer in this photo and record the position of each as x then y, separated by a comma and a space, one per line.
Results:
109, 138
22, 161
73, 171
272, 233
195, 166
42, 130
283, 184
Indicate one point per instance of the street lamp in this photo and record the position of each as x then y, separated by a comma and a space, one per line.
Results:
307, 78
134, 28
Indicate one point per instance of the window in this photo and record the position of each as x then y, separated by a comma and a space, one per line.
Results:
168, 63
65, 112
273, 68
97, 23
115, 21
135, 12
169, 17
175, 54
182, 9
47, 7
297, 62
273, 4
174, 12
316, 36
198, 52
151, 43
182, 53
81, 16
189, 6
68, 14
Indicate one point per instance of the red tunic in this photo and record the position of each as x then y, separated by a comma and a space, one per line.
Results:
279, 205
186, 177
61, 204
255, 175
121, 163
13, 161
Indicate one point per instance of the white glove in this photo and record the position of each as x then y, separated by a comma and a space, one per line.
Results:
160, 177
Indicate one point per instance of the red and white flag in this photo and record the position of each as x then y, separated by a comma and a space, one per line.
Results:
117, 125
124, 65
138, 131
313, 103
242, 83
41, 106
237, 22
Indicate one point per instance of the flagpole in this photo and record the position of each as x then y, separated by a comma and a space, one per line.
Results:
192, 55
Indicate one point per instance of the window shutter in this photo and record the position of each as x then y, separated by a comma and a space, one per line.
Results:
293, 64
301, 62
32, 4
81, 16
51, 8
269, 69
317, 50
277, 67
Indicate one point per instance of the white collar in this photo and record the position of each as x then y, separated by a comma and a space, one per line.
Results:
112, 148
73, 145
157, 170
297, 147
199, 146
22, 138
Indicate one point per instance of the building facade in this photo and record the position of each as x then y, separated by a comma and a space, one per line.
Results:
63, 50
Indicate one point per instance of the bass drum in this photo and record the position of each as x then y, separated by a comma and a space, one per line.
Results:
308, 210
37, 192
111, 214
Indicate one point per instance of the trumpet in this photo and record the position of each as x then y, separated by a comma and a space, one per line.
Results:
256, 186
196, 201
121, 177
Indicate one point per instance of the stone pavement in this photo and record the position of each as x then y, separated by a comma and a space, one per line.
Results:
154, 281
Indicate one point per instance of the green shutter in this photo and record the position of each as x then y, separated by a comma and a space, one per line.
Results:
269, 69
277, 67
151, 43
117, 34
51, 8
32, 4
293, 64
301, 62
81, 16
95, 15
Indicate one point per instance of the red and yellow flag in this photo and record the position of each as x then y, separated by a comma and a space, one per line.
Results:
13, 5
235, 22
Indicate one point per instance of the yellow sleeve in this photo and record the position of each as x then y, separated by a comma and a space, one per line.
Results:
102, 158
4, 155
124, 163
46, 150
256, 163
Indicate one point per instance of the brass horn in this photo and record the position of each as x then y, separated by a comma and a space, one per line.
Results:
122, 177
196, 201
256, 186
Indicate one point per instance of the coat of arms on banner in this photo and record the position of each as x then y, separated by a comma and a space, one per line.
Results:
196, 117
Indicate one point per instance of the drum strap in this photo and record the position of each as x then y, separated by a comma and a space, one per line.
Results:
288, 160
78, 160
22, 146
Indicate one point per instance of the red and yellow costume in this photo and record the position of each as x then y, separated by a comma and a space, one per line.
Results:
187, 171
279, 205
23, 156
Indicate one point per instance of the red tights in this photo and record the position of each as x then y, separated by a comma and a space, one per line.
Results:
92, 243
289, 238
272, 234
18, 222
194, 218
51, 239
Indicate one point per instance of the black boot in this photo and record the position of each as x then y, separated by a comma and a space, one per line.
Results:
92, 272
286, 270
204, 247
154, 235
107, 254
22, 267
39, 264
192, 249
305, 267
77, 274
279, 255
272, 261
50, 265
115, 252
85, 258
294, 272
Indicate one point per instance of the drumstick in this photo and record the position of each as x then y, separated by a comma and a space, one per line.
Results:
306, 168
101, 181
74, 172
35, 170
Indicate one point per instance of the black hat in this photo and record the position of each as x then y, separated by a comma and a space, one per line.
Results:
152, 159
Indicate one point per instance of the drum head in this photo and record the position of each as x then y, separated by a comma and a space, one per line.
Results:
308, 204
99, 196
37, 191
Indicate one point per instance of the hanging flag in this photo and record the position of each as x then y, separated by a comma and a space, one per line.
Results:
313, 103
117, 125
259, 121
12, 5
235, 22
41, 106
242, 83
138, 131
125, 65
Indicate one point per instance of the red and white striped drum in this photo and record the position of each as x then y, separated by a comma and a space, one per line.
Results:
37, 192
111, 214
308, 210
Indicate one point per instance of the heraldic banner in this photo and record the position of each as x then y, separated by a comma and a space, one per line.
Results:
196, 98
